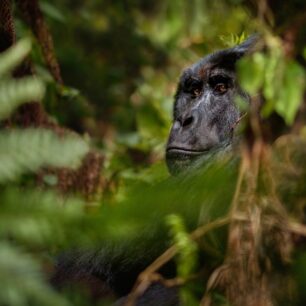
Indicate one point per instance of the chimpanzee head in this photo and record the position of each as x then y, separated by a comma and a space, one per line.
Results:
205, 113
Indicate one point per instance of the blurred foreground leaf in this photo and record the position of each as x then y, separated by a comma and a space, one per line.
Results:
40, 219
291, 94
27, 150
22, 281
12, 57
16, 92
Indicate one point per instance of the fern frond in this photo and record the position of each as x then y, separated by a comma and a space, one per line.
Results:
27, 150
40, 219
22, 282
11, 58
16, 92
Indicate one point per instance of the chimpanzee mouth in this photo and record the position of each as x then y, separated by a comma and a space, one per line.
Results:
180, 159
184, 151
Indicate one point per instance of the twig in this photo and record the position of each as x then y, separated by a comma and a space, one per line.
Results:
234, 204
145, 278
206, 299
297, 228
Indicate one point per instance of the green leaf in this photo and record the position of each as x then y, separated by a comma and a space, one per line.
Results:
22, 281
16, 92
52, 11
273, 79
27, 150
40, 219
251, 72
232, 39
291, 93
14, 56
150, 124
187, 248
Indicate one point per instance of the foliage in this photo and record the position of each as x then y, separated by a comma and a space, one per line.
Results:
125, 59
22, 280
120, 62
186, 246
29, 150
29, 219
281, 80
14, 93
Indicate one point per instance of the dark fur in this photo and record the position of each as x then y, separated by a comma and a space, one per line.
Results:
203, 122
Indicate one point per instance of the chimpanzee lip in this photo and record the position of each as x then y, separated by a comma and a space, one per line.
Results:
180, 150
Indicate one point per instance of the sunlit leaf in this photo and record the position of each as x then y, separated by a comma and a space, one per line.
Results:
186, 247
273, 78
250, 72
291, 93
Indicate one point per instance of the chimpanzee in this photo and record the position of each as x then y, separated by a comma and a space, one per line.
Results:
205, 114
204, 118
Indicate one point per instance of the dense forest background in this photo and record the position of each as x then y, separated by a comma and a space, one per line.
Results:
86, 96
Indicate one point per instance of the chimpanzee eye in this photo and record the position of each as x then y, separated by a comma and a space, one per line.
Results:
196, 92
193, 86
220, 83
220, 88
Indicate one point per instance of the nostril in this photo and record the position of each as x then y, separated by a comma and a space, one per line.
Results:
187, 122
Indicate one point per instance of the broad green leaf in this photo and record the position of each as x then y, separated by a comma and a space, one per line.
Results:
291, 93
273, 78
251, 71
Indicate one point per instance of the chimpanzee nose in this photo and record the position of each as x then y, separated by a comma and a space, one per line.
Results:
184, 123
187, 121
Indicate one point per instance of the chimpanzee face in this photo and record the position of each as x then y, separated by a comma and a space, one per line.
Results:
205, 113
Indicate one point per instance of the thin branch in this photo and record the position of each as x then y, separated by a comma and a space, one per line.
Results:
33, 16
145, 278
234, 204
297, 228
7, 28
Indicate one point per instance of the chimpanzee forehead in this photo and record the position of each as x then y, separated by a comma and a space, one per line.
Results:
223, 59
203, 70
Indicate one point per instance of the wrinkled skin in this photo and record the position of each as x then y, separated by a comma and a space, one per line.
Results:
205, 114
